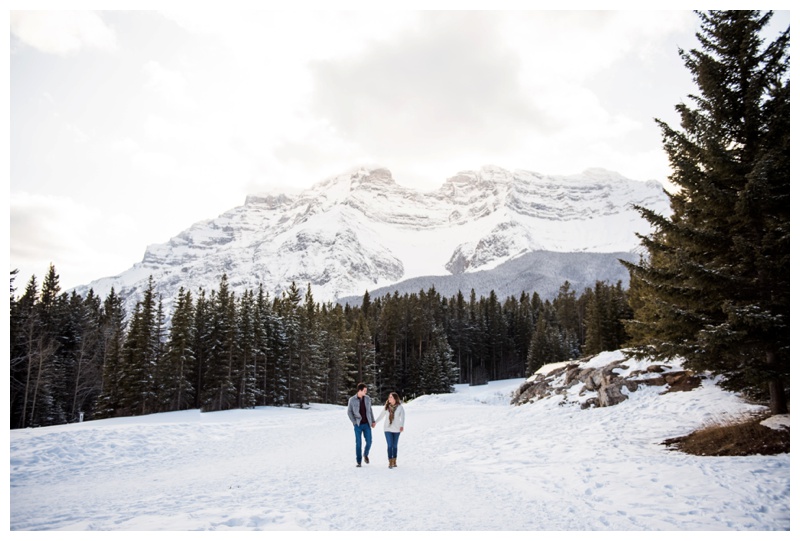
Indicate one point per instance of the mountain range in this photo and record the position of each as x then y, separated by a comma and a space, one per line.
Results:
490, 229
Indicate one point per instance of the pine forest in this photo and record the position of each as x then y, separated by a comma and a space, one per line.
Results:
76, 358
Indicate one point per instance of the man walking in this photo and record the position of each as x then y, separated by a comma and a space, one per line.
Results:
359, 410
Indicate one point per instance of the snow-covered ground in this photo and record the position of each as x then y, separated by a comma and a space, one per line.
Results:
466, 461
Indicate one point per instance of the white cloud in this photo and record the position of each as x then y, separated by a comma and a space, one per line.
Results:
57, 229
125, 145
62, 32
206, 106
169, 85
162, 129
517, 89
449, 85
76, 134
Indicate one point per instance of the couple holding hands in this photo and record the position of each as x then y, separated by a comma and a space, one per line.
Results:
359, 410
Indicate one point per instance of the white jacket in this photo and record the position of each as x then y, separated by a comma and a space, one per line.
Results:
399, 419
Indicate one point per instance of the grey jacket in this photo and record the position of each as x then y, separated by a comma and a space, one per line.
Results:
353, 408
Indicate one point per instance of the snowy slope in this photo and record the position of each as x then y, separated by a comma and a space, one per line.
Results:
540, 271
466, 461
362, 230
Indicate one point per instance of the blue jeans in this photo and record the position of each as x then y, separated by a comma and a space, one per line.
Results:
392, 438
366, 430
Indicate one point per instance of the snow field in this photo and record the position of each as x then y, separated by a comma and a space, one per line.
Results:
466, 461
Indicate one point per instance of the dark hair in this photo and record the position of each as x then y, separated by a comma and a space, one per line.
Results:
396, 399
361, 386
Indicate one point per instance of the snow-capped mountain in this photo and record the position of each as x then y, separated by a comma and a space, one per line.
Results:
362, 230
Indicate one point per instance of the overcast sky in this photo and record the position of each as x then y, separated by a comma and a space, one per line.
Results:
126, 127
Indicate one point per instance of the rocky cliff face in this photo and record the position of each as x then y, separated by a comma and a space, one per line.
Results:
362, 230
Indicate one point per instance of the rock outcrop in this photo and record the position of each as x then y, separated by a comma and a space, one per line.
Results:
604, 380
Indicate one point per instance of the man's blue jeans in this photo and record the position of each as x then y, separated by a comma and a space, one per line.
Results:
392, 438
366, 430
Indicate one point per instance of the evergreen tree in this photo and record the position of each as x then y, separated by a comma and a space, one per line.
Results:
219, 386
85, 382
32, 347
203, 345
478, 372
439, 371
278, 393
390, 340
362, 353
334, 350
113, 338
458, 333
18, 359
267, 350
715, 289
312, 366
620, 311
140, 357
495, 336
291, 373
547, 343
523, 329
177, 388
160, 355
47, 400
569, 321
248, 351
606, 309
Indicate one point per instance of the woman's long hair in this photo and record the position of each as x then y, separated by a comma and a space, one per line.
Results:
388, 407
396, 400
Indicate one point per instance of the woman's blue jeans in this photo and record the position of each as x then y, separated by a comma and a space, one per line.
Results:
392, 438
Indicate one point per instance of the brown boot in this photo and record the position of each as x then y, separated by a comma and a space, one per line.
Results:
394, 463
390, 464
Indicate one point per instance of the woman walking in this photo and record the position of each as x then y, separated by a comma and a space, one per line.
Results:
392, 426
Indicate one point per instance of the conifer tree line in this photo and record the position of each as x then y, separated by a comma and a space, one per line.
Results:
74, 355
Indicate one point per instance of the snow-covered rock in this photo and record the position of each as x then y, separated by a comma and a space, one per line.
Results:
604, 380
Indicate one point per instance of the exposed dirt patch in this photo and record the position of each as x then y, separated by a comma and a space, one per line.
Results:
738, 438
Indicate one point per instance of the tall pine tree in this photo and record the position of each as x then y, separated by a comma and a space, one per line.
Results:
219, 385
715, 289
112, 348
176, 382
246, 395
140, 357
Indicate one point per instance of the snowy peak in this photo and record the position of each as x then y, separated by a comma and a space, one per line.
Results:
361, 230
342, 186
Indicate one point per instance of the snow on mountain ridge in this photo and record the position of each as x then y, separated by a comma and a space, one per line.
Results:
362, 230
